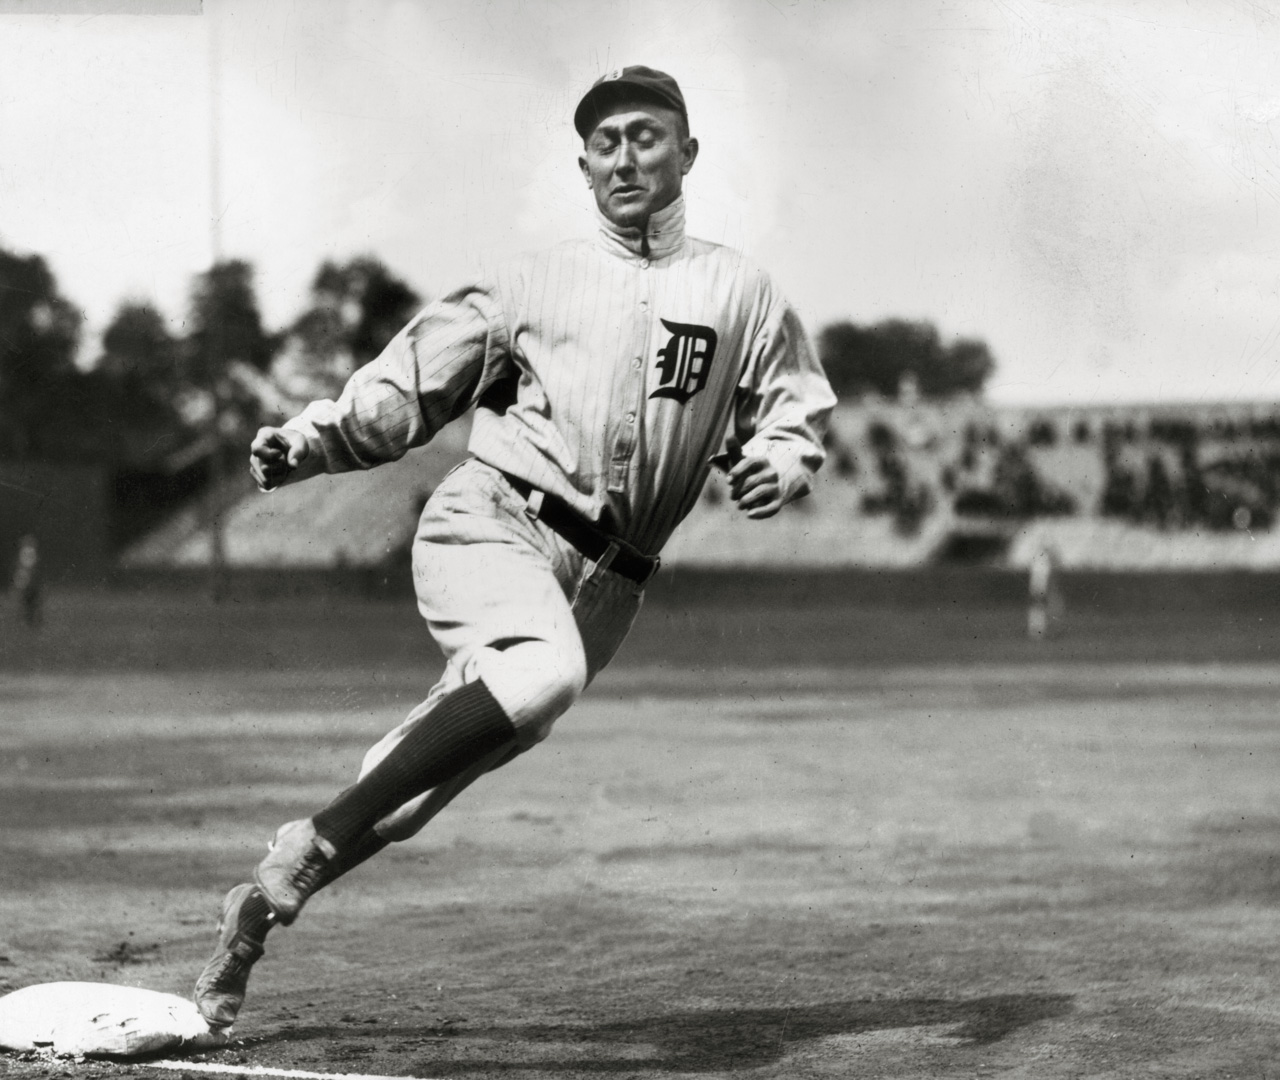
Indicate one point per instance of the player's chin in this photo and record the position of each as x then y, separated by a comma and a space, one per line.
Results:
633, 208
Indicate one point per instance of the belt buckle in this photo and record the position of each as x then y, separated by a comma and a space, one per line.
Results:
608, 555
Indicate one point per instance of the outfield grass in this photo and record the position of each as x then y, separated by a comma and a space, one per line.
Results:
848, 834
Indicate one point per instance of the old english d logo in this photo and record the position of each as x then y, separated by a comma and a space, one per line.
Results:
685, 360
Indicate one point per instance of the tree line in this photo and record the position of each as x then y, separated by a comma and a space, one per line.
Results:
152, 395
895, 356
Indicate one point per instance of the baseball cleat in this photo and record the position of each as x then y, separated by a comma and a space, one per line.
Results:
297, 865
242, 928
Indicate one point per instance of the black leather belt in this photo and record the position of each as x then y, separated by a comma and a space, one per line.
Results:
591, 541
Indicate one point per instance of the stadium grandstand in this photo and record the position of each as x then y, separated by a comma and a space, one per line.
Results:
1123, 487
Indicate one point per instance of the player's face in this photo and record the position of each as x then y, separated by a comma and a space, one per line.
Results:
635, 161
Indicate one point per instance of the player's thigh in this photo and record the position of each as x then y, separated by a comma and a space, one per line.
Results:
605, 607
501, 617
489, 589
482, 572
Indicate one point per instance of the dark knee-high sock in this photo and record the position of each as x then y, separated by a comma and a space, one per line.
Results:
365, 847
464, 727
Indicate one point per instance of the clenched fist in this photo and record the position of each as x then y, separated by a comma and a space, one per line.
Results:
275, 453
754, 484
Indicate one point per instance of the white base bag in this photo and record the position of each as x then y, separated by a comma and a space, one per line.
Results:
79, 1019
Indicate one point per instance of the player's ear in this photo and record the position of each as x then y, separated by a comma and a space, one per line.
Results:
586, 173
690, 153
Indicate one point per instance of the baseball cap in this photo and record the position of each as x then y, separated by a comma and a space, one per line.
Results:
627, 84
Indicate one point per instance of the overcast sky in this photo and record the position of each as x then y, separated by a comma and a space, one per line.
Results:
1092, 188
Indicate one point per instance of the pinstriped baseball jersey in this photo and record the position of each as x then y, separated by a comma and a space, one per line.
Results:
603, 371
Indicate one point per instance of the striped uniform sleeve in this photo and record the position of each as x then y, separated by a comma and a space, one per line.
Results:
784, 401
429, 374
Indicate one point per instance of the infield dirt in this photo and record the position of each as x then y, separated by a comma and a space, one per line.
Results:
728, 860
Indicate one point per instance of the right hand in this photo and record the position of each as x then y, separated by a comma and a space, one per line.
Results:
275, 453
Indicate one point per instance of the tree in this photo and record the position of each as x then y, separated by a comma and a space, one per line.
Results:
137, 347
138, 385
44, 399
226, 325
878, 359
225, 353
357, 307
372, 303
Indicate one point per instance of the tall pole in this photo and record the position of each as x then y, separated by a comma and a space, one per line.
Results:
217, 524
215, 135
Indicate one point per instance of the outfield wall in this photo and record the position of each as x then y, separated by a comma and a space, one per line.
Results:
975, 587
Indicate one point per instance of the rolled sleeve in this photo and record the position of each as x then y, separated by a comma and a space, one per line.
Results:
784, 402
429, 374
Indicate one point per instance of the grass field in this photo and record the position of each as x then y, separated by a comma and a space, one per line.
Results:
800, 830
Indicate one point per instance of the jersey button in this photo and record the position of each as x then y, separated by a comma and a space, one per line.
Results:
644, 305
631, 418
635, 364
644, 264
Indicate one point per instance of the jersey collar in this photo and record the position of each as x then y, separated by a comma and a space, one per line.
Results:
665, 234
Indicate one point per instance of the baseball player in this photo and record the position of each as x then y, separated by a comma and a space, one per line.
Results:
27, 583
607, 376
1044, 601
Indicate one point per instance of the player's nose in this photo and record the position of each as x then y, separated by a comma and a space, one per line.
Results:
626, 162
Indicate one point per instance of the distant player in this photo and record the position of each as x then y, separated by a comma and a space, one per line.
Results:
605, 374
1044, 601
27, 586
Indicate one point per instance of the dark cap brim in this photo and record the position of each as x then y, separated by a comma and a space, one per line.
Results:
597, 102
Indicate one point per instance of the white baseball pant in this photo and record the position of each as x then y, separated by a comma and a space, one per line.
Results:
511, 602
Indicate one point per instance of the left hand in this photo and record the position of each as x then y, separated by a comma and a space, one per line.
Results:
755, 486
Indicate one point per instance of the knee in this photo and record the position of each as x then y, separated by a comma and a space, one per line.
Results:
534, 725
561, 679
566, 678
535, 683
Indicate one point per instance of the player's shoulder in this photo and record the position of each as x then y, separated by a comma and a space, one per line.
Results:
750, 275
540, 261
725, 255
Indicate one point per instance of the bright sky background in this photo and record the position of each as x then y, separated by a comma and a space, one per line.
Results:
1091, 187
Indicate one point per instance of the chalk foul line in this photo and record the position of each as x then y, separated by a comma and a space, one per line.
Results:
262, 1070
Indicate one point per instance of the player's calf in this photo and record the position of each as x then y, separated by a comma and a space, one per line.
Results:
464, 728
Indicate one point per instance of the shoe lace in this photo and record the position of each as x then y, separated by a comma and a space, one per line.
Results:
309, 874
227, 972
